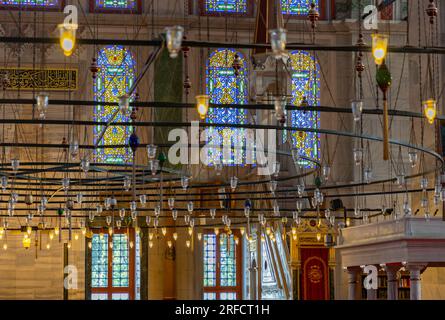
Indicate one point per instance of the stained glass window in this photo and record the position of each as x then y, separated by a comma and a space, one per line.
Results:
224, 87
131, 5
226, 6
99, 262
298, 7
305, 84
113, 266
31, 3
221, 263
114, 79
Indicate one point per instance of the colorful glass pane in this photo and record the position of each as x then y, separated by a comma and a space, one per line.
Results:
227, 261
209, 260
209, 295
114, 79
227, 296
120, 261
31, 3
116, 4
99, 262
298, 7
224, 87
305, 84
226, 6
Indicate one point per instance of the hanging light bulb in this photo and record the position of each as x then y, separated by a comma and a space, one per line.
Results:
233, 182
202, 105
332, 220
190, 206
122, 213
300, 190
406, 208
56, 231
357, 109
5, 246
190, 231
150, 244
79, 198
187, 243
42, 104
15, 163
164, 231
424, 202
175, 236
171, 203
174, 214
367, 175
199, 235
157, 210
134, 215
85, 165
427, 215
276, 166
99, 209
276, 208
133, 206
174, 37
151, 151
413, 157
278, 42
430, 110
326, 171
358, 156
124, 104
327, 213
401, 180
4, 182
147, 220
154, 166
273, 186
186, 218
216, 231
67, 36
169, 244
212, 213
143, 199
185, 182
280, 109
424, 183
66, 184
74, 148
379, 47
127, 183
108, 220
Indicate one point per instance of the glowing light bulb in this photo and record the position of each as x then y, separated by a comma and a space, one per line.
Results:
318, 236
175, 236
242, 230
56, 231
29, 230
76, 237
90, 245
202, 105
169, 244
187, 243
199, 236
216, 231
430, 110
379, 47
150, 244
69, 245
190, 231
5, 246
164, 231
131, 244
48, 246
150, 236
67, 35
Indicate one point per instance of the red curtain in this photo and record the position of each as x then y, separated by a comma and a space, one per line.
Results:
315, 275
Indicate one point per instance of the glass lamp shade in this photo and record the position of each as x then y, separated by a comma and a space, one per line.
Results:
42, 104
190, 206
174, 37
148, 220
413, 158
202, 105
212, 213
4, 182
108, 220
67, 37
85, 165
157, 210
326, 171
430, 110
300, 190
154, 166
278, 42
143, 199
358, 156
423, 183
174, 214
151, 151
233, 182
15, 163
184, 182
276, 166
400, 180
367, 175
124, 104
74, 148
357, 109
133, 206
79, 198
379, 47
280, 109
99, 209
171, 203
66, 183
273, 185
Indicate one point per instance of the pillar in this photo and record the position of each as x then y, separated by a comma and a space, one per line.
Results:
354, 277
392, 283
253, 280
414, 277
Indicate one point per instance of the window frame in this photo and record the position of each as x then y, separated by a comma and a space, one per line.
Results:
203, 12
94, 9
33, 8
218, 289
109, 289
323, 12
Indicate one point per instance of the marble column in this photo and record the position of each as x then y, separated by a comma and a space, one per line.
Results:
414, 277
354, 277
392, 282
253, 283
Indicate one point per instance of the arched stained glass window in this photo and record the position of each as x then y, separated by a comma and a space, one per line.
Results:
224, 87
225, 6
298, 7
56, 4
114, 79
305, 83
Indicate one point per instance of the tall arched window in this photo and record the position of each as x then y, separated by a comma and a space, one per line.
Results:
305, 84
114, 79
298, 7
225, 87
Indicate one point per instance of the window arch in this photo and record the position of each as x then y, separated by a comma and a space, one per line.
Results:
305, 84
298, 7
114, 79
224, 87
